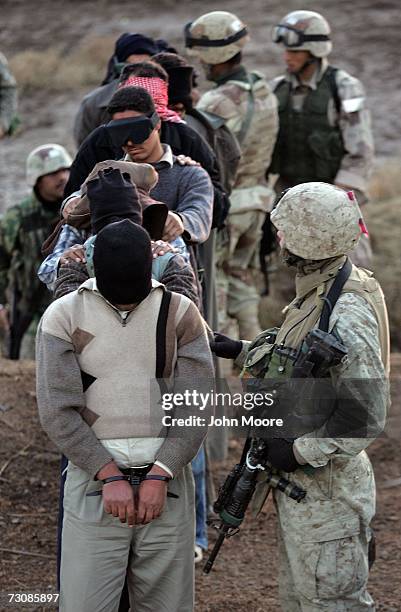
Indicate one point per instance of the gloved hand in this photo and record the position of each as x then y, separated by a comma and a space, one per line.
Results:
225, 347
281, 455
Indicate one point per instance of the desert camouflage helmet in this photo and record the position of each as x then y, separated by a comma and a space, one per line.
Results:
304, 31
215, 37
318, 220
46, 159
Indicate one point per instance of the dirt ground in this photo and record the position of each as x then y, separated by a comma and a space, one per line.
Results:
366, 40
246, 570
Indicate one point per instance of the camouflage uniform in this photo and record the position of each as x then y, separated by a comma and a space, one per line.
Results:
23, 229
353, 121
323, 541
8, 95
245, 102
325, 125
250, 198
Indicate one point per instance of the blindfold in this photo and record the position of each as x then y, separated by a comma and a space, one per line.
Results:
136, 129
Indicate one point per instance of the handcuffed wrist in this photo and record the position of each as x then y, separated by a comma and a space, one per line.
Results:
114, 479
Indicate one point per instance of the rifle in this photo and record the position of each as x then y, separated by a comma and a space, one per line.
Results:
267, 245
237, 491
19, 323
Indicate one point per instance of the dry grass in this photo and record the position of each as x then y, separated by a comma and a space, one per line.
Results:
384, 223
56, 70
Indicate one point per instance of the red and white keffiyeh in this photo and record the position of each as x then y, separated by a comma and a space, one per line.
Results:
158, 89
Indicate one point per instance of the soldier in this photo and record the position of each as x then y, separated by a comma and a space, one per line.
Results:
248, 106
324, 540
23, 229
325, 132
8, 97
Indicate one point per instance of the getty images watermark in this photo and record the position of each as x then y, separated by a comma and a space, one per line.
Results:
212, 400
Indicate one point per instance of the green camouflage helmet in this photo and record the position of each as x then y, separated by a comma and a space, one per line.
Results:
304, 31
215, 37
318, 220
46, 159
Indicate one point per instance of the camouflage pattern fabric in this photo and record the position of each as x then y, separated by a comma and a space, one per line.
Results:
323, 541
237, 296
305, 22
326, 534
329, 576
354, 122
46, 159
251, 196
318, 220
216, 26
23, 228
8, 95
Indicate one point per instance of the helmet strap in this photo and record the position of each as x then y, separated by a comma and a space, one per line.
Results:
309, 62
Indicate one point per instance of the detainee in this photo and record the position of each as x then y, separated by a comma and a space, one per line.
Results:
93, 398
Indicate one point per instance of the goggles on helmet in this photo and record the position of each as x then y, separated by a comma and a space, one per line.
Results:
135, 129
291, 37
190, 41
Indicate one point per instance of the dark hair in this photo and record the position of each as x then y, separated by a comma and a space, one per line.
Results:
144, 69
131, 98
170, 60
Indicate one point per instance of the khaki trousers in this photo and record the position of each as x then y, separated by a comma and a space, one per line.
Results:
98, 549
235, 255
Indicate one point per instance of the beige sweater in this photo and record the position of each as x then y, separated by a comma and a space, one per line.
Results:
97, 373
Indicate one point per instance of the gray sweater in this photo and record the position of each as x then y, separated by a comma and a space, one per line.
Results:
188, 191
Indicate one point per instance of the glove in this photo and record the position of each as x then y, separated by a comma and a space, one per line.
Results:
225, 347
281, 455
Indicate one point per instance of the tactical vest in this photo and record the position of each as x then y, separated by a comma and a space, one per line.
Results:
25, 288
272, 353
308, 148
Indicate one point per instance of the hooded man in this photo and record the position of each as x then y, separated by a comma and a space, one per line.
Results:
126, 488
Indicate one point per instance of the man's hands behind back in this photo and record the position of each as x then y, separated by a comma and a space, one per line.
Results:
118, 496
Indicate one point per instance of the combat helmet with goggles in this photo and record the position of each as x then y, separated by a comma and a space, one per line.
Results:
304, 31
216, 37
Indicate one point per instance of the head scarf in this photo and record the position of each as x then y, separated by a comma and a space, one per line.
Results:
158, 89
